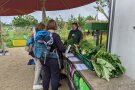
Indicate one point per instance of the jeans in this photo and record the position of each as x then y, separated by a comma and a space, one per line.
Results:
38, 67
51, 72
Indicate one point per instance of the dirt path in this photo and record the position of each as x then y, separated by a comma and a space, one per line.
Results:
15, 74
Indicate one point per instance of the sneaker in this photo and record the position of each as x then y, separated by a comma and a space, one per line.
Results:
37, 87
31, 62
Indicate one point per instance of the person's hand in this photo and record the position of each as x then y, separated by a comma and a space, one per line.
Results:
64, 54
27, 48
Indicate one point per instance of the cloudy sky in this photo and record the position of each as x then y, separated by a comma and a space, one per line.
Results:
65, 14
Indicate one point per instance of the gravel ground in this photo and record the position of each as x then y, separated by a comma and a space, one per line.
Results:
15, 74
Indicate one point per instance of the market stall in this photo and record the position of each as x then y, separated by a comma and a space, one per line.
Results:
80, 77
90, 67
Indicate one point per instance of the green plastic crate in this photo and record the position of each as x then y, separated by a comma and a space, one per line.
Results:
87, 62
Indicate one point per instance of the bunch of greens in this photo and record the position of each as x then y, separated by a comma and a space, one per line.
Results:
68, 42
84, 47
107, 65
103, 68
74, 48
87, 49
92, 52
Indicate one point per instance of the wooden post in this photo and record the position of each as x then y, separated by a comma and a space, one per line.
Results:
101, 38
1, 37
84, 35
97, 39
0, 33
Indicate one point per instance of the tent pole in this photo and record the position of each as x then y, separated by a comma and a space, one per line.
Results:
0, 33
1, 37
43, 10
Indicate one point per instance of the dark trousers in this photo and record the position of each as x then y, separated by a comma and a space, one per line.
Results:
51, 72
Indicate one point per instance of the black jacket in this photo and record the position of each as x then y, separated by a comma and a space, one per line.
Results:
76, 35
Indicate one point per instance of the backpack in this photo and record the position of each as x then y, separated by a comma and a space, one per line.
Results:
43, 41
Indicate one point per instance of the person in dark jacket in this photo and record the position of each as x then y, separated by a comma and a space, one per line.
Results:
52, 66
75, 34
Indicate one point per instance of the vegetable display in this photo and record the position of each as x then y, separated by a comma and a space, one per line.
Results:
106, 65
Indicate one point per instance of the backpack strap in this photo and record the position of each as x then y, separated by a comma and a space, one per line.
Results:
50, 42
58, 59
55, 51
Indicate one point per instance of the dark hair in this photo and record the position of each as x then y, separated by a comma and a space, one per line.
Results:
76, 24
51, 25
40, 26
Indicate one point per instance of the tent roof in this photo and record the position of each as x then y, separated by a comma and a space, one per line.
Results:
11, 12
28, 6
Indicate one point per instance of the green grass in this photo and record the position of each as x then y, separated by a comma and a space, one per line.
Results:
90, 38
16, 33
20, 32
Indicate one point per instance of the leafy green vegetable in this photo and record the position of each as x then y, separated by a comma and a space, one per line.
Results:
103, 68
68, 42
122, 69
105, 73
85, 46
110, 65
106, 65
97, 68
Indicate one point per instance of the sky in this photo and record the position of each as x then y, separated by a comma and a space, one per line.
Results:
65, 14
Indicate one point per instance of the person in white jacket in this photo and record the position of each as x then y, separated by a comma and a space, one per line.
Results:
38, 66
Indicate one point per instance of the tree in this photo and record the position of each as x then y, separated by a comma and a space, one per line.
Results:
70, 21
25, 20
60, 22
90, 18
80, 20
100, 6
